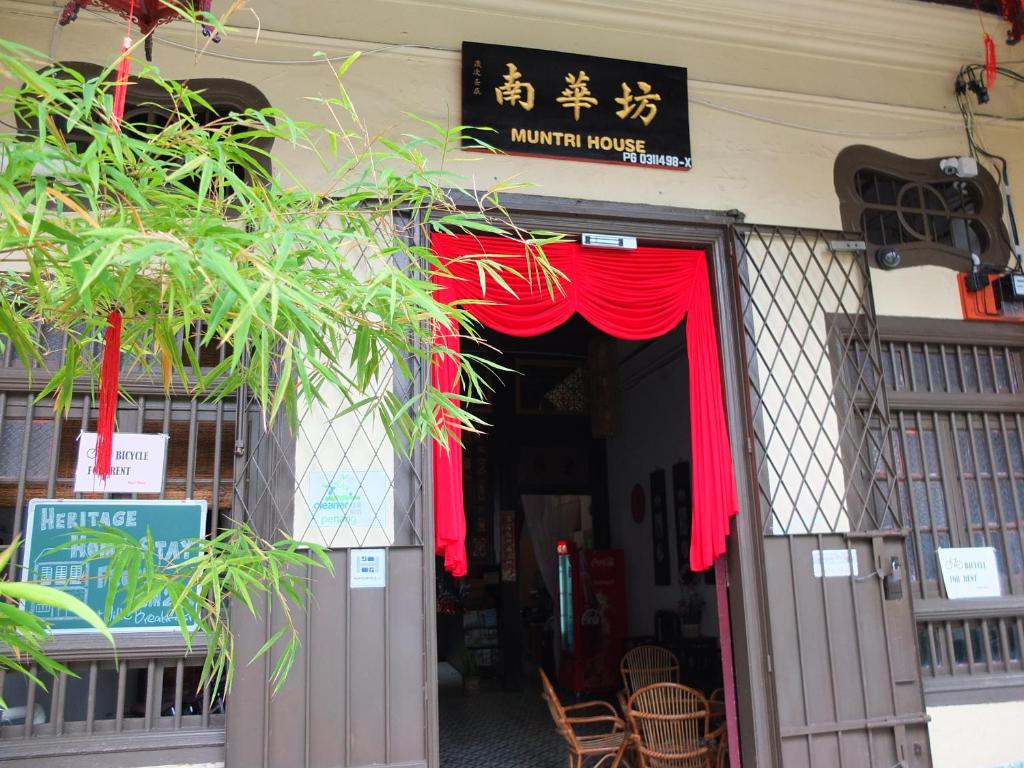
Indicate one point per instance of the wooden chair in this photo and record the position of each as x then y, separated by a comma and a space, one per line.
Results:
716, 724
610, 745
670, 725
643, 666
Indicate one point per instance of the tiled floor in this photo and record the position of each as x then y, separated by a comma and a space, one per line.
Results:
495, 729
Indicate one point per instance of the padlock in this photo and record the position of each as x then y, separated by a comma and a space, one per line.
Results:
893, 581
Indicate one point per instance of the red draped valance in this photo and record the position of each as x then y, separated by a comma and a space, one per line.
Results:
630, 294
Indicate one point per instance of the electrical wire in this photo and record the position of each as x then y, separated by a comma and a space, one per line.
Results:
969, 81
297, 62
827, 131
207, 51
969, 76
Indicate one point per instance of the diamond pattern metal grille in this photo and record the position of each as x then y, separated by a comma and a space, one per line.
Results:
817, 397
335, 453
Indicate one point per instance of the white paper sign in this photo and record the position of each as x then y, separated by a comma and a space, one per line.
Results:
137, 464
834, 562
969, 572
366, 568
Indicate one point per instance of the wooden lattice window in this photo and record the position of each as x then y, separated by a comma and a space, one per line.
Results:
911, 206
956, 396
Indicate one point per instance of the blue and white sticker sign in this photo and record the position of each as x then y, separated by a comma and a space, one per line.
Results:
346, 507
367, 568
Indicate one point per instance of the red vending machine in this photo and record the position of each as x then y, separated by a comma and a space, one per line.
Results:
591, 617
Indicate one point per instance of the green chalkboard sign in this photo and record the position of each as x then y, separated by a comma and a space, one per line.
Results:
52, 523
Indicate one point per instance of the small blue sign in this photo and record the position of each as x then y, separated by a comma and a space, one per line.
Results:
368, 568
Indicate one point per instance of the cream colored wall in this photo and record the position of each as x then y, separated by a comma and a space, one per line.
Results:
881, 75
977, 735
777, 90
817, 87
347, 448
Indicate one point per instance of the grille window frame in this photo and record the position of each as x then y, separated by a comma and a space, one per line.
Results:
909, 204
958, 477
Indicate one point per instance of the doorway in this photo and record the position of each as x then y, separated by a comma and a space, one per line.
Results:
582, 482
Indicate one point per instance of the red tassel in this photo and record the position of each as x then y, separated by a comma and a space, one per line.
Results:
109, 388
990, 61
124, 68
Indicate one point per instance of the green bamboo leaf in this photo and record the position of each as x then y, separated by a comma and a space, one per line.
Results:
7, 554
271, 642
54, 598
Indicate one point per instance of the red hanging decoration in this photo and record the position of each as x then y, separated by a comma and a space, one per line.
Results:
990, 61
149, 14
109, 387
124, 69
1013, 12
110, 372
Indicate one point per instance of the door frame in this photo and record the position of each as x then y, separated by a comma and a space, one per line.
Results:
710, 231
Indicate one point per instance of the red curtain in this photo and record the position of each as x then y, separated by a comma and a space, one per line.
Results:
630, 294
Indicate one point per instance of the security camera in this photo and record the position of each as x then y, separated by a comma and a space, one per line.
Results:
888, 258
961, 167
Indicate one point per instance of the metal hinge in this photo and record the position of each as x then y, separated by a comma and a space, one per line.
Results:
847, 245
239, 447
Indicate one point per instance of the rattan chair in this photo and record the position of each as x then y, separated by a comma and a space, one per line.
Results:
643, 666
716, 720
600, 747
670, 727
723, 756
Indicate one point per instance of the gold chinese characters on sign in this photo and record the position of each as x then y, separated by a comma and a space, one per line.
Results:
577, 95
560, 104
515, 90
478, 69
641, 104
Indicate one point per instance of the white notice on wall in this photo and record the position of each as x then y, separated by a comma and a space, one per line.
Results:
345, 507
137, 464
366, 568
969, 572
834, 562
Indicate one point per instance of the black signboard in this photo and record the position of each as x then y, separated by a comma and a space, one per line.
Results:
581, 107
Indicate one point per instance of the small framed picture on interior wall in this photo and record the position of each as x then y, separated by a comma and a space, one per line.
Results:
659, 529
682, 509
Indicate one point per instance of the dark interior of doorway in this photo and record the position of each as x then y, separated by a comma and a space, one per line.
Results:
598, 428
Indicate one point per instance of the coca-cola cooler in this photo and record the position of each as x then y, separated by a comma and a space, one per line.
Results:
591, 617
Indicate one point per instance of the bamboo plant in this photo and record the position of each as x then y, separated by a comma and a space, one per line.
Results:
190, 223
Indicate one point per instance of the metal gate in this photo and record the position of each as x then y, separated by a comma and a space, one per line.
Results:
141, 703
843, 662
359, 691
